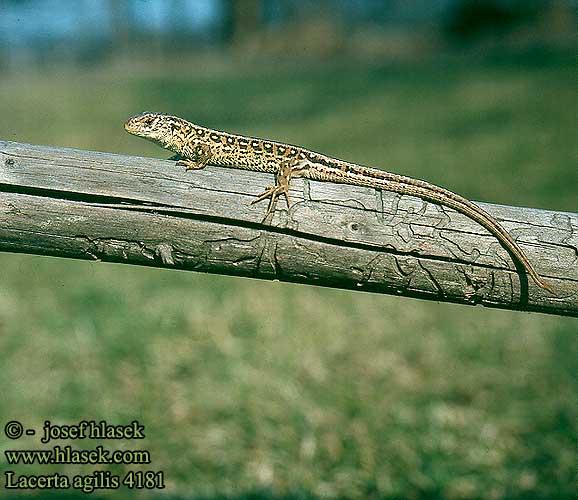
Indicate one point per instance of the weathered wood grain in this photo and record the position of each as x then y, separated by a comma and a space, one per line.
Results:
102, 206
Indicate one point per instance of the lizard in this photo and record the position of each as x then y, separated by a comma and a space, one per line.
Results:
196, 146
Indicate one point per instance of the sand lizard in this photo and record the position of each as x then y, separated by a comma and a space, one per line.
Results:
196, 146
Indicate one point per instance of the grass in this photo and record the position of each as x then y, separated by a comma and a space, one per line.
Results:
251, 389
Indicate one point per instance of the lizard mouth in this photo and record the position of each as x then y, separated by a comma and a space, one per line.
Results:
141, 123
130, 127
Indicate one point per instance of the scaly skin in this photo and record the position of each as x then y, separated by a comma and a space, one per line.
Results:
198, 146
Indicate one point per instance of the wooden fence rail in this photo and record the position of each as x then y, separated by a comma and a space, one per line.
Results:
102, 206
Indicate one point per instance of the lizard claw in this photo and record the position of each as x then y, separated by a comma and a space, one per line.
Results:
268, 193
190, 165
272, 192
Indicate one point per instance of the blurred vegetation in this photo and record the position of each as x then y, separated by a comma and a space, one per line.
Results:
39, 33
252, 389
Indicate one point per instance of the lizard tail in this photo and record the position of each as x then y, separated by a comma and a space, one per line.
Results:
429, 192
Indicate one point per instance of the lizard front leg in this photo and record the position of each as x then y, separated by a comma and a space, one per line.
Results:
198, 160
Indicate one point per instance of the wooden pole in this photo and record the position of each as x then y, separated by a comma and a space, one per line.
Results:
145, 211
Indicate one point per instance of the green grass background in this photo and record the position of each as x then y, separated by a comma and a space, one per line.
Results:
250, 389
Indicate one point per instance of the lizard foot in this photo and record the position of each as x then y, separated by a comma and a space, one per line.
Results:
191, 165
273, 192
281, 188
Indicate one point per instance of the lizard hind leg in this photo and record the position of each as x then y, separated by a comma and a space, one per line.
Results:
283, 178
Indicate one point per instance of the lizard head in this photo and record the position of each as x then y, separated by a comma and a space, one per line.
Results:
156, 127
